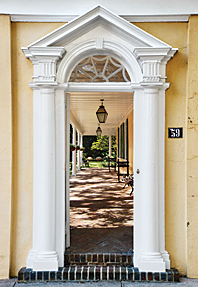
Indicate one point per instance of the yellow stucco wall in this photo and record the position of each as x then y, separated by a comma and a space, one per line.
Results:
23, 34
5, 145
174, 34
192, 150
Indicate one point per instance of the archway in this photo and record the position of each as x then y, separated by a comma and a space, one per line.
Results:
145, 59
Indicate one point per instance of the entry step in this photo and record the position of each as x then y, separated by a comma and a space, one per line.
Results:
96, 273
104, 259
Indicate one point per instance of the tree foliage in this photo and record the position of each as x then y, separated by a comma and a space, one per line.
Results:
102, 145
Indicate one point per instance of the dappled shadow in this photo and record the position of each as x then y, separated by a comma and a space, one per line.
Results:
97, 199
101, 212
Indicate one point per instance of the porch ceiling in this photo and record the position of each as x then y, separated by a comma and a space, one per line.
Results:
85, 104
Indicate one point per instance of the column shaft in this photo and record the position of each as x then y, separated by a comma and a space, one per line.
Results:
78, 153
81, 152
46, 257
151, 258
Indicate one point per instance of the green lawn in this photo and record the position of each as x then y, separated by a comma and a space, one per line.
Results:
93, 163
96, 163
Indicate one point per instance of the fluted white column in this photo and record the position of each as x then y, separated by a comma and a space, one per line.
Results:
46, 257
151, 258
74, 152
78, 153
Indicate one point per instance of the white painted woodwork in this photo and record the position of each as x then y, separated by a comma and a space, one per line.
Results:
81, 152
138, 138
46, 256
67, 173
145, 58
131, 18
60, 174
116, 104
74, 152
151, 257
78, 153
157, 9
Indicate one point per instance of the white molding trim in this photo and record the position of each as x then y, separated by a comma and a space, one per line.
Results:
99, 87
81, 51
156, 18
67, 18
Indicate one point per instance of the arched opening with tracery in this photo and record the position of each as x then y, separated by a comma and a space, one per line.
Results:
99, 69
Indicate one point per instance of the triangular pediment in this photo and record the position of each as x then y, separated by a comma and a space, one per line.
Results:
99, 16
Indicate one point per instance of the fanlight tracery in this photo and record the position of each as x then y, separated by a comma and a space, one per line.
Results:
99, 69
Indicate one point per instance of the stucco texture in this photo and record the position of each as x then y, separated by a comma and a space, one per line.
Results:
192, 150
174, 34
5, 145
23, 34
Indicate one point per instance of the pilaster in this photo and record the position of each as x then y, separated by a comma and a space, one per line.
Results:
44, 254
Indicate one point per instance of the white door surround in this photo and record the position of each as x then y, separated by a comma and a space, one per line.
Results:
54, 57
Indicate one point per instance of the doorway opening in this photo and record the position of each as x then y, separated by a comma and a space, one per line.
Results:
101, 210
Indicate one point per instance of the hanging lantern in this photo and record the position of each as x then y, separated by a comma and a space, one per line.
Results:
101, 113
98, 131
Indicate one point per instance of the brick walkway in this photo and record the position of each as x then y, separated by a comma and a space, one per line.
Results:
101, 212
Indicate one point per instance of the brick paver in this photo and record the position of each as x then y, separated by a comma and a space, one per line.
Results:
101, 212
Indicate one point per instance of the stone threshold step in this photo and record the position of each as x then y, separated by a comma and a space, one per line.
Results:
96, 273
106, 259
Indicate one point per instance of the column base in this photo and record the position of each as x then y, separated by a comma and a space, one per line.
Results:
165, 256
46, 261
153, 266
31, 257
152, 262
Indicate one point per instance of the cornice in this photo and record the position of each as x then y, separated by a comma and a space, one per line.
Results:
144, 52
43, 51
98, 16
67, 18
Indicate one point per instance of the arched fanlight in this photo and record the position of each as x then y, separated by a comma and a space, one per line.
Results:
101, 113
98, 131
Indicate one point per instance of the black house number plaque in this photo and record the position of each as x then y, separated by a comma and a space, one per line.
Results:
175, 133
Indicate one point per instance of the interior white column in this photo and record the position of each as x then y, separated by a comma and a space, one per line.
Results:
46, 258
78, 153
81, 145
151, 258
74, 152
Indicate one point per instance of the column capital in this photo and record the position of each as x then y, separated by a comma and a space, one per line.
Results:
44, 60
153, 62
